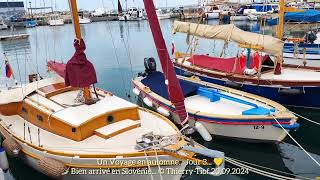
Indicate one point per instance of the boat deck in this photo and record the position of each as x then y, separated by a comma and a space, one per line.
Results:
293, 74
123, 142
223, 106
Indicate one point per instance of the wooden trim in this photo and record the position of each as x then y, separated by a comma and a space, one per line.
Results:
126, 166
60, 91
120, 131
4, 131
11, 108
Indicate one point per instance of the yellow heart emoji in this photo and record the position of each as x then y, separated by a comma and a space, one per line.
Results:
218, 161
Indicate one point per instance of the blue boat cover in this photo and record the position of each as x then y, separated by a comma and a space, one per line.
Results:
155, 82
310, 16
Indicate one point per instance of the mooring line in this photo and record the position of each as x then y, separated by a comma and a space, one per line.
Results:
297, 142
305, 118
255, 170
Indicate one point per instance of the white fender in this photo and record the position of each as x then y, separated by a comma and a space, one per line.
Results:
136, 91
1, 175
248, 71
163, 111
4, 164
148, 102
203, 131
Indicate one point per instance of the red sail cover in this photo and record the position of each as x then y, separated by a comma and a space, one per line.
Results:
174, 89
235, 65
78, 72
59, 68
228, 65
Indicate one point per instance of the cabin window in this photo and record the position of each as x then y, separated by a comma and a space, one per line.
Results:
24, 110
110, 119
73, 130
40, 118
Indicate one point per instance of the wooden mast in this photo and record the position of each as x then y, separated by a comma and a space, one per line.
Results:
281, 19
77, 30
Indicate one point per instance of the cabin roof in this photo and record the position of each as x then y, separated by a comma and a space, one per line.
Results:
63, 106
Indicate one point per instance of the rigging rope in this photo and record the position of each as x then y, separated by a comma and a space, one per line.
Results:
305, 118
255, 170
107, 26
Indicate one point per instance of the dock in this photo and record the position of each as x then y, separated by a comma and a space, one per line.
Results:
14, 37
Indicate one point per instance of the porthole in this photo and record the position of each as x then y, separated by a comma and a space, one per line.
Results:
40, 118
110, 119
24, 110
73, 130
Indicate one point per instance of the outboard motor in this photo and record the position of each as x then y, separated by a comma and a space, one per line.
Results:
150, 65
311, 37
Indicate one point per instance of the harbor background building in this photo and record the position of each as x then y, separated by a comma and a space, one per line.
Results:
12, 10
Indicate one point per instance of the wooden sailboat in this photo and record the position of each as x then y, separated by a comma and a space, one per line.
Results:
207, 107
65, 128
287, 84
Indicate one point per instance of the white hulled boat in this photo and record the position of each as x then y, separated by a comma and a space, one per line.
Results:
55, 20
63, 126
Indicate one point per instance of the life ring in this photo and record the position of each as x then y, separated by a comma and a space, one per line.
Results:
255, 59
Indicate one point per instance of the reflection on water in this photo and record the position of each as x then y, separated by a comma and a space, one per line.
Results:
296, 160
117, 50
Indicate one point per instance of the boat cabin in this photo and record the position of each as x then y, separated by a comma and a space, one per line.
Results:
53, 107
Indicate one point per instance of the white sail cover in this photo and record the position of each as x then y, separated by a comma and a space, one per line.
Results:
230, 32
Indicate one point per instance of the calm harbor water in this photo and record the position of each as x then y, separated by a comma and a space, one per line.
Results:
117, 50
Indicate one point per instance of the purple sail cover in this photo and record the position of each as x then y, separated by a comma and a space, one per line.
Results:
79, 71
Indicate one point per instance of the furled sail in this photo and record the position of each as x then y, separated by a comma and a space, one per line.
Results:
119, 7
79, 71
230, 32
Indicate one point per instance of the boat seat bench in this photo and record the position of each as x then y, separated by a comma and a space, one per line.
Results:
114, 129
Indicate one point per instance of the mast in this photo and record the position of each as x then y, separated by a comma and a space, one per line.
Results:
172, 82
75, 18
76, 24
281, 19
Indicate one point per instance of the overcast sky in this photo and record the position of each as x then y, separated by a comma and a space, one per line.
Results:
112, 4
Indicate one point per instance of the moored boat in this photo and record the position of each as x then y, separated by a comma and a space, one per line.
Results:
222, 111
287, 84
57, 136
55, 20
208, 108
66, 128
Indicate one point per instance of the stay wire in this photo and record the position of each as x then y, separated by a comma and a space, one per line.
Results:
107, 26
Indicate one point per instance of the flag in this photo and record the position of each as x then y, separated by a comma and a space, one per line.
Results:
173, 48
8, 69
